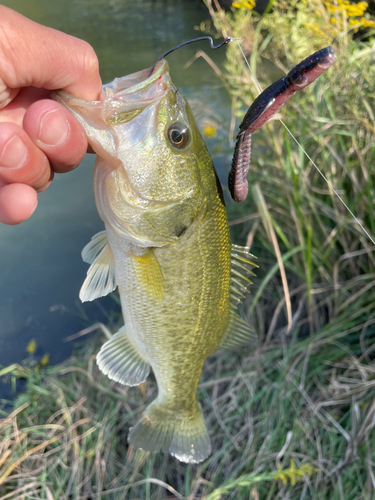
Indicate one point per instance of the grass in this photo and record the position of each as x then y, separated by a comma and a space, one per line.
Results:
291, 420
295, 220
294, 419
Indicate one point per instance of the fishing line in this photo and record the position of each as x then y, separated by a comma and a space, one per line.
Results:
329, 184
305, 153
194, 40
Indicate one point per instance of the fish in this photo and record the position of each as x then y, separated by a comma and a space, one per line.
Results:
166, 246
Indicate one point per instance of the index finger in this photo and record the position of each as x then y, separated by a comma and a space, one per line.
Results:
34, 55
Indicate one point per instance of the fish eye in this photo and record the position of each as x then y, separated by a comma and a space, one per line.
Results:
178, 135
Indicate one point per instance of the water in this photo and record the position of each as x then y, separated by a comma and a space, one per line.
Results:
41, 268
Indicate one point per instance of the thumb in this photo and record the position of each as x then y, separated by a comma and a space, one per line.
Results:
32, 55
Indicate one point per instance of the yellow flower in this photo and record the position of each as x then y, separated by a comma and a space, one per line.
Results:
293, 474
45, 360
210, 131
353, 13
367, 24
281, 475
31, 347
247, 4
316, 29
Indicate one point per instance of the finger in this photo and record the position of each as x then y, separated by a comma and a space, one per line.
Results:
34, 55
7, 95
57, 133
17, 203
21, 161
15, 111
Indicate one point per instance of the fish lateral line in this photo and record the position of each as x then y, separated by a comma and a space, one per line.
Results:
265, 106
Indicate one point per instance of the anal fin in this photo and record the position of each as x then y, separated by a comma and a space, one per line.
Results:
120, 360
238, 334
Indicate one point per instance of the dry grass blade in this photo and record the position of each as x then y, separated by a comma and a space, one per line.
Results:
208, 60
267, 222
13, 414
144, 481
21, 491
28, 454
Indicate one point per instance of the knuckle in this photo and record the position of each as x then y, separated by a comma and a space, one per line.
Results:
90, 59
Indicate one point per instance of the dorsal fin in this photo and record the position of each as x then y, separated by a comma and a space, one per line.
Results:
100, 279
241, 268
238, 333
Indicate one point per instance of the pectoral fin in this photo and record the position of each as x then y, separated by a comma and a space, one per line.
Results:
120, 360
94, 247
100, 279
149, 274
238, 333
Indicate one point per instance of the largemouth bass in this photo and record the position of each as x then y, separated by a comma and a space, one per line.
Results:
166, 245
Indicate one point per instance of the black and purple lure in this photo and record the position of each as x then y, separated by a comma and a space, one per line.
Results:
265, 106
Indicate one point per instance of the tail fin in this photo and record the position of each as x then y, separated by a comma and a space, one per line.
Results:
183, 435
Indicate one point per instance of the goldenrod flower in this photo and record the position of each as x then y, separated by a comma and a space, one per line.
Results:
365, 23
210, 131
352, 13
31, 347
45, 360
244, 4
293, 474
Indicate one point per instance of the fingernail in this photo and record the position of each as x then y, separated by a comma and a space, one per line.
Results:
54, 128
14, 154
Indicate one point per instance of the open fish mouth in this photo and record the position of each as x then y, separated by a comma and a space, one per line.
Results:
128, 96
123, 99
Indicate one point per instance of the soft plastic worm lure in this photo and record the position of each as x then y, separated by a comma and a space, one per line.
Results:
265, 106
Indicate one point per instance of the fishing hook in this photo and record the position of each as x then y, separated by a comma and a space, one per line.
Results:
227, 40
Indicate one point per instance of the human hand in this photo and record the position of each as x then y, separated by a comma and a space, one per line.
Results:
38, 136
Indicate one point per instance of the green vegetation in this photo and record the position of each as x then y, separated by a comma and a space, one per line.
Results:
295, 419
316, 259
284, 420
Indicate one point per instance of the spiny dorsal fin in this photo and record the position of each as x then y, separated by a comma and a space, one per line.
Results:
238, 333
149, 273
120, 360
100, 279
241, 268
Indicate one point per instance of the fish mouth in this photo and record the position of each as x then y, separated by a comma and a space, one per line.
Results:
130, 84
122, 100
128, 96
